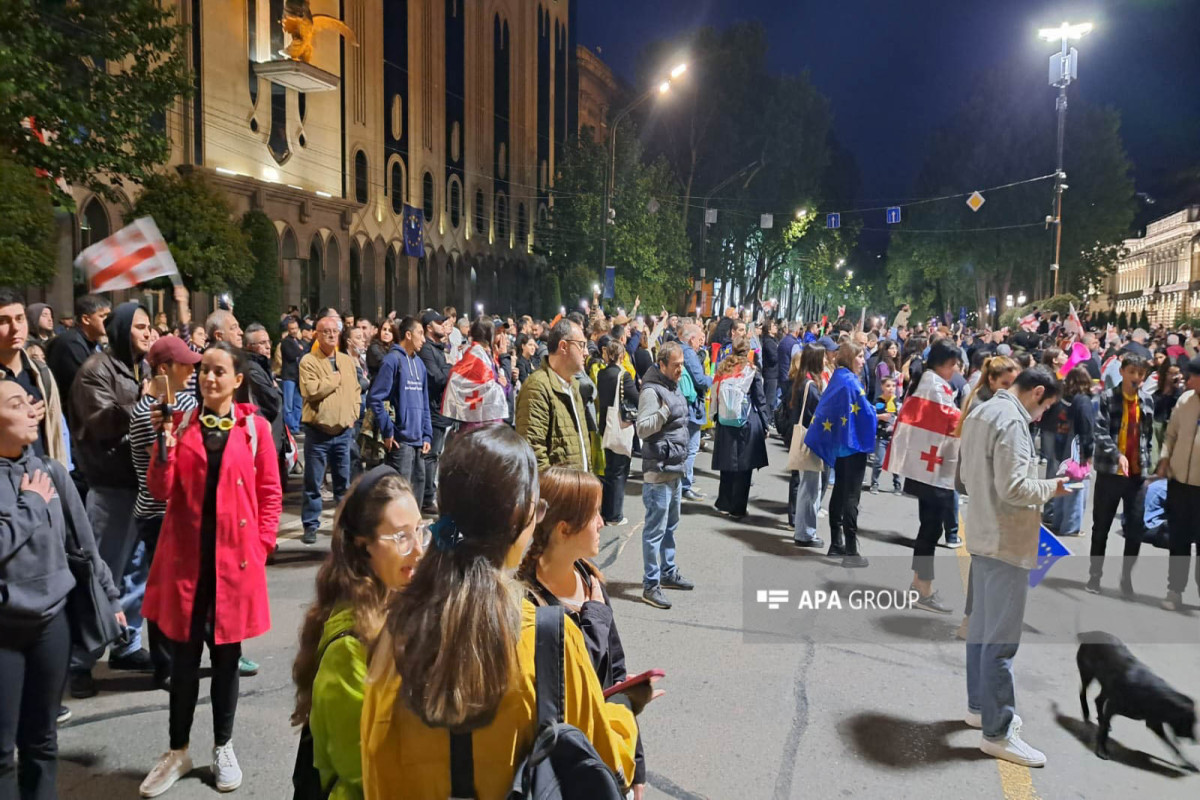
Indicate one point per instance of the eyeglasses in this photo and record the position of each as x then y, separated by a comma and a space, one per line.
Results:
405, 541
581, 342
540, 512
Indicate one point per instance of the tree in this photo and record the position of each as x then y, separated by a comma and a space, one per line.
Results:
1122, 321
1143, 321
258, 301
210, 250
97, 78
945, 255
27, 242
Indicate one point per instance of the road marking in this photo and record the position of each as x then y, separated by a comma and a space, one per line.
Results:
1016, 781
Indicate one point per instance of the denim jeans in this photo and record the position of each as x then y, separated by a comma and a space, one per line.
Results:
808, 502
881, 446
160, 646
658, 535
1067, 512
689, 466
406, 460
110, 510
993, 637
430, 462
320, 447
292, 406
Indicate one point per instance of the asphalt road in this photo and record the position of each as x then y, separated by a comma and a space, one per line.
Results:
828, 702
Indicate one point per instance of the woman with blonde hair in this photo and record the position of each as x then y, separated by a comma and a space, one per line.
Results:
738, 450
456, 661
997, 372
378, 539
558, 570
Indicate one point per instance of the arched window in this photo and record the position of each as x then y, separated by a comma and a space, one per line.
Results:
501, 215
397, 187
522, 223
455, 192
427, 196
310, 290
480, 212
93, 224
360, 177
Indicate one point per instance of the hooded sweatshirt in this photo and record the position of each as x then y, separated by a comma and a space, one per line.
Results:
34, 576
337, 698
401, 382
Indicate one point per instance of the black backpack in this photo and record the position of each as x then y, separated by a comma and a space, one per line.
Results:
306, 779
562, 762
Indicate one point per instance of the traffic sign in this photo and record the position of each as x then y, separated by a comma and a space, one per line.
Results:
833, 221
893, 215
975, 201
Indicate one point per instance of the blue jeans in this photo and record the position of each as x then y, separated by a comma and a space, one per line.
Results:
993, 637
1067, 512
292, 406
320, 447
808, 502
658, 535
689, 466
881, 446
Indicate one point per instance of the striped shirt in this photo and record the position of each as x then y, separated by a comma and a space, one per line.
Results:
141, 440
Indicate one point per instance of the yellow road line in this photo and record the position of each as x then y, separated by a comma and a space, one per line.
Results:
1015, 781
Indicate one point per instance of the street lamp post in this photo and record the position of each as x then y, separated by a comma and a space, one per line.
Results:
1064, 68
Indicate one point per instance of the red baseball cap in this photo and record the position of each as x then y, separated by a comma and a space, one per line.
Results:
171, 349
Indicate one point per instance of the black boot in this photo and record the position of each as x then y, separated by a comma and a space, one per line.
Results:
837, 545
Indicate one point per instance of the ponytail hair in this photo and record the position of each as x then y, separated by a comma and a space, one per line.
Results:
454, 629
572, 499
993, 367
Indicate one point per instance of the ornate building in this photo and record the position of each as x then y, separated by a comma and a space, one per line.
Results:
458, 108
1160, 271
597, 91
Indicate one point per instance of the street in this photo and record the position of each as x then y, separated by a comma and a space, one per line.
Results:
874, 712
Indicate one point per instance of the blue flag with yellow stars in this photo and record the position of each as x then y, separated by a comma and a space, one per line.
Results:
844, 422
1050, 549
414, 232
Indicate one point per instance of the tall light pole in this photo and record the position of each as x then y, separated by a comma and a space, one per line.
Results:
1064, 68
610, 179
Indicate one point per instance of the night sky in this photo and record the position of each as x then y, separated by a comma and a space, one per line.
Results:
894, 69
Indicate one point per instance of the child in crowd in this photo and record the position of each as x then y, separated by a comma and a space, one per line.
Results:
886, 408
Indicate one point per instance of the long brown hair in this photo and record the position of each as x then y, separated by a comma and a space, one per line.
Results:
739, 356
993, 367
346, 577
572, 498
454, 630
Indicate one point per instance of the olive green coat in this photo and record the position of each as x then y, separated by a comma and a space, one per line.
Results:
546, 419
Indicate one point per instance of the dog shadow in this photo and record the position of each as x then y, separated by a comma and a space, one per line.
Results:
1085, 733
904, 744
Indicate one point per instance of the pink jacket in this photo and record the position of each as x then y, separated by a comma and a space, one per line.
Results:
249, 500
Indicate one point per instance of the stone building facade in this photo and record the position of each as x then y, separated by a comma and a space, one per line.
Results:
457, 108
1160, 271
598, 90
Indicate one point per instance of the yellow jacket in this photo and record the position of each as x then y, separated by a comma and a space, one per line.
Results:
332, 400
403, 758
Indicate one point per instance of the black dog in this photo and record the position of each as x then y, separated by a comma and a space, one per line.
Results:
1130, 689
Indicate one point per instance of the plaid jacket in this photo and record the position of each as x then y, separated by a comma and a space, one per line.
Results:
1109, 418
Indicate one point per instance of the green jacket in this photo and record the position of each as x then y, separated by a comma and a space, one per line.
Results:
337, 700
546, 419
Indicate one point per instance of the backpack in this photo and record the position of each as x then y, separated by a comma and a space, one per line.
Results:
562, 763
733, 400
306, 778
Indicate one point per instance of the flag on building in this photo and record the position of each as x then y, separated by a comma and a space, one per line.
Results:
472, 393
133, 255
414, 232
1050, 549
924, 447
844, 421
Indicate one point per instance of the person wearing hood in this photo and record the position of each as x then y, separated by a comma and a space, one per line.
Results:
75, 345
41, 323
103, 396
33, 376
407, 432
39, 505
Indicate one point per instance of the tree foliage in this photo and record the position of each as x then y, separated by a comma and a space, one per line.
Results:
98, 78
209, 248
944, 255
258, 301
27, 241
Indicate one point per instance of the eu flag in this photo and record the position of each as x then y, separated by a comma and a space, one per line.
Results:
1050, 549
414, 232
844, 422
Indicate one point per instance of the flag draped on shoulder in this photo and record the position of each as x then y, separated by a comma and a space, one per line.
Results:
844, 421
924, 447
131, 256
472, 393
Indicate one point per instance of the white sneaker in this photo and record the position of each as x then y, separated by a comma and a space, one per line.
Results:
171, 766
225, 769
822, 513
1014, 749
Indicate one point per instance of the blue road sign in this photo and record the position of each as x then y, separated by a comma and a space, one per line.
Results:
893, 215
833, 221
610, 281
992, 305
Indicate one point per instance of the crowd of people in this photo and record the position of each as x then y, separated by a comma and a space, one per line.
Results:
145, 467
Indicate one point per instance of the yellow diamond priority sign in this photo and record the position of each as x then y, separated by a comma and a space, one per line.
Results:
975, 201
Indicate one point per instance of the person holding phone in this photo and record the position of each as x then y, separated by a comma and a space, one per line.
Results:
558, 570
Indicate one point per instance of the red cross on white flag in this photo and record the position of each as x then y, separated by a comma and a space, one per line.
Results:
924, 447
133, 255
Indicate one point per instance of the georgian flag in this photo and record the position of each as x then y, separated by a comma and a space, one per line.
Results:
924, 446
472, 393
133, 255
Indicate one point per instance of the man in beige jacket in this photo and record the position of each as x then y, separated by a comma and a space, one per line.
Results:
998, 465
1180, 463
332, 401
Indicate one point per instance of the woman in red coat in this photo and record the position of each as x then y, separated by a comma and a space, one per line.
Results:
208, 581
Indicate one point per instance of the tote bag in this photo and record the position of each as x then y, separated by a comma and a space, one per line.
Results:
618, 434
800, 458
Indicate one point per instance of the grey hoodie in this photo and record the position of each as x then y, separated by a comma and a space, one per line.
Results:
34, 577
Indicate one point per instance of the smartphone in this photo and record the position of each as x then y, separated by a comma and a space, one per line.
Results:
642, 677
1074, 487
162, 390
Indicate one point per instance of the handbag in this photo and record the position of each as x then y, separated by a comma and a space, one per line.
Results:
618, 433
800, 457
90, 613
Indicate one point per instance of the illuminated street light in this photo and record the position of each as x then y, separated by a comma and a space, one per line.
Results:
802, 213
678, 70
1065, 31
841, 263
1021, 299
664, 87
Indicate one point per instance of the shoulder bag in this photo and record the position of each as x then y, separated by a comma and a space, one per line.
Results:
306, 778
618, 434
800, 458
